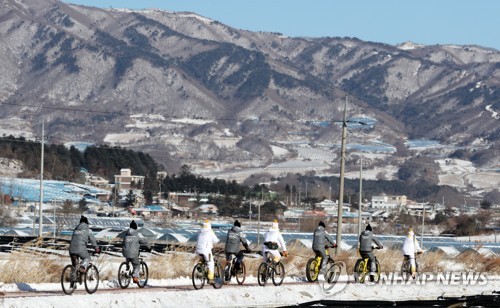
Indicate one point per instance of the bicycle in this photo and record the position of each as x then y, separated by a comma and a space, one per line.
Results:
200, 274
270, 268
406, 267
71, 276
362, 269
313, 268
126, 271
230, 271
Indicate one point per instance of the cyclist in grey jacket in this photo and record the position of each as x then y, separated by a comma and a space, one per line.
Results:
78, 245
132, 241
365, 247
234, 237
321, 239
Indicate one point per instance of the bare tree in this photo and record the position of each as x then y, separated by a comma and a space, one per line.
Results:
6, 217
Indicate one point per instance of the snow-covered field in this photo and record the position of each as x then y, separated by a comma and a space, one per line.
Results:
159, 293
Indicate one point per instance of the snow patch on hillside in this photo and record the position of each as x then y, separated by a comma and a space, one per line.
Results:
10, 167
494, 114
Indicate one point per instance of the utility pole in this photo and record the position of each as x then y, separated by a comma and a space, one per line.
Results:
330, 191
159, 194
116, 199
360, 194
40, 218
53, 203
341, 189
423, 219
258, 214
250, 214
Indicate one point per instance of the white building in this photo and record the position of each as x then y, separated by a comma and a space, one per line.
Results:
125, 180
388, 203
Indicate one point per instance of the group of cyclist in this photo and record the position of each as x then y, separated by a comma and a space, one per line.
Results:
273, 242
82, 236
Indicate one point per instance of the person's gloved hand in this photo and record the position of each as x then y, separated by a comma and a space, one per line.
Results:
285, 253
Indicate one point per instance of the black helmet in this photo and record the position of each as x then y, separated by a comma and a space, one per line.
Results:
133, 225
237, 223
84, 219
322, 224
368, 227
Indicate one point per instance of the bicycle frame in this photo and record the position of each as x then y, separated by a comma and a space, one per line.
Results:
202, 267
90, 277
268, 270
361, 272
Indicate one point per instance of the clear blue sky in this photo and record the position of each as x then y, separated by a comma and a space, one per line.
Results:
462, 22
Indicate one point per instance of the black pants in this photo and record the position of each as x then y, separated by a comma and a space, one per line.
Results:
239, 256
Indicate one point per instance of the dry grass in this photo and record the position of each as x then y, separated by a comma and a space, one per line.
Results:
28, 266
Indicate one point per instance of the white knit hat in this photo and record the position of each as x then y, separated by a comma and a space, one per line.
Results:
275, 225
206, 224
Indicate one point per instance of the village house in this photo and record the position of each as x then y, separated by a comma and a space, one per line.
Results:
388, 203
126, 181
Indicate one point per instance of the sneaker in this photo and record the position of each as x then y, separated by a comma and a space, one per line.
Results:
135, 280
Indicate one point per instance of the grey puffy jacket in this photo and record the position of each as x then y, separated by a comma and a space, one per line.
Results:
365, 240
132, 242
233, 240
321, 239
81, 236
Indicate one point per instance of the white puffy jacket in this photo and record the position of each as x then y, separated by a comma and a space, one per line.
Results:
274, 235
410, 246
206, 240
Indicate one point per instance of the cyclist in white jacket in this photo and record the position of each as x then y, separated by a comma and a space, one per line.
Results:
272, 241
410, 248
204, 244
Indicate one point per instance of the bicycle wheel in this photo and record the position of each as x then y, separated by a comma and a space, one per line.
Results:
241, 273
376, 277
416, 270
278, 274
198, 276
227, 273
67, 283
311, 272
332, 274
405, 270
218, 279
359, 273
262, 274
91, 279
123, 275
143, 275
